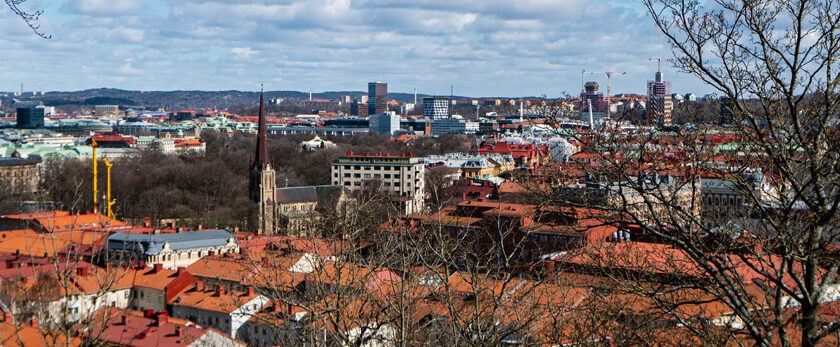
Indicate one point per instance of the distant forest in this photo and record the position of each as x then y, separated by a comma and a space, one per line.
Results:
180, 99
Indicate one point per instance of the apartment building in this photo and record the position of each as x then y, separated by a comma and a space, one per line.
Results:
400, 175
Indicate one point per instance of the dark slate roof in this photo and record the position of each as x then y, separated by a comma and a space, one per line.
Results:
324, 196
291, 195
18, 161
152, 244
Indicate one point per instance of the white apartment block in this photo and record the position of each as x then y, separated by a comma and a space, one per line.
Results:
400, 175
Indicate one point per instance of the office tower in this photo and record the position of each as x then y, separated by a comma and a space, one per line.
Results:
659, 103
30, 117
435, 107
386, 123
377, 97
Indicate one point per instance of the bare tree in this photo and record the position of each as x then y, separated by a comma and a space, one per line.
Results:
30, 18
768, 253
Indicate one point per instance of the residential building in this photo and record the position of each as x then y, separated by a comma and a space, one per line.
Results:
153, 287
400, 175
135, 328
386, 123
30, 117
106, 110
435, 107
474, 167
172, 250
523, 154
377, 97
217, 308
18, 175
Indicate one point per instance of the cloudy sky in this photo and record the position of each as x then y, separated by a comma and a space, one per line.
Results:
483, 47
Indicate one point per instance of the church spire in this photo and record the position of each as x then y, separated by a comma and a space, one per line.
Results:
261, 158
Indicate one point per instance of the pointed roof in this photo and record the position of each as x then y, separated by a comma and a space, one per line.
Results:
261, 157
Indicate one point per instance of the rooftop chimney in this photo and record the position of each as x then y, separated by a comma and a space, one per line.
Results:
181, 270
250, 291
147, 222
162, 318
7, 317
34, 323
82, 271
158, 267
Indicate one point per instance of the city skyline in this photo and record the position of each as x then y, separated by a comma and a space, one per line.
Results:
484, 48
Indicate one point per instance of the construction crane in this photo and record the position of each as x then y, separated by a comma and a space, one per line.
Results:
609, 91
110, 203
659, 60
94, 145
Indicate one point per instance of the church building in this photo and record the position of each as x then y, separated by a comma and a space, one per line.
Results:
288, 210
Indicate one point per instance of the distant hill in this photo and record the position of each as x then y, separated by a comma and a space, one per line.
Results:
180, 99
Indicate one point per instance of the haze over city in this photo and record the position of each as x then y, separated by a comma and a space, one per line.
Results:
485, 48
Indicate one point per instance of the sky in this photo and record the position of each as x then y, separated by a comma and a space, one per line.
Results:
504, 48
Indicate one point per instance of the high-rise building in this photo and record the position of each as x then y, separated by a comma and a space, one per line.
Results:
386, 123
358, 108
401, 176
377, 97
262, 184
30, 117
590, 95
659, 103
435, 107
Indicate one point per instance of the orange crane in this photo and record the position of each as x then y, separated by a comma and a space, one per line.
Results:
110, 203
94, 145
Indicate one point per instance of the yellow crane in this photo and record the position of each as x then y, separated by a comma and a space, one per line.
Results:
110, 203
94, 145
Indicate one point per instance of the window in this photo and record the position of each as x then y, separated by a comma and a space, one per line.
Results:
347, 175
376, 167
408, 176
346, 183
357, 175
387, 175
367, 175
346, 167
357, 167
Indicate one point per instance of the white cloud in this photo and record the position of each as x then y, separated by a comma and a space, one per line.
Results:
104, 7
486, 47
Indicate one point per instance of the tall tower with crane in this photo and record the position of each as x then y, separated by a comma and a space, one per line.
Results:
659, 103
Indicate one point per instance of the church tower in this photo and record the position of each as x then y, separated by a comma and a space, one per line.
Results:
262, 185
